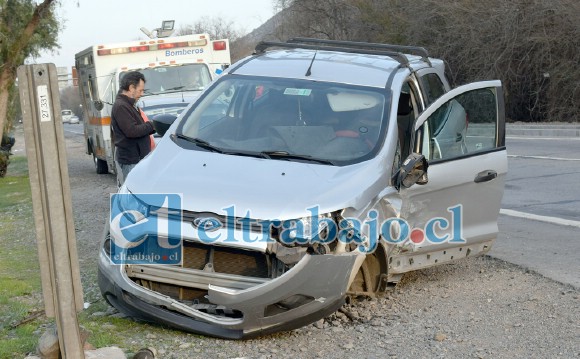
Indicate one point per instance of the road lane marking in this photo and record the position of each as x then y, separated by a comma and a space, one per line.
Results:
545, 158
543, 138
535, 217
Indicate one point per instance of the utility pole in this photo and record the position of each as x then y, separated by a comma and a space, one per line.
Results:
51, 202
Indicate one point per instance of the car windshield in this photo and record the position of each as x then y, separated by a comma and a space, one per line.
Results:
288, 119
170, 108
163, 79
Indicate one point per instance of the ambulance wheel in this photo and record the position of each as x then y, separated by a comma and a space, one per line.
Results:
100, 166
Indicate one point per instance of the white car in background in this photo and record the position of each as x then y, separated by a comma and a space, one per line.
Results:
66, 115
74, 120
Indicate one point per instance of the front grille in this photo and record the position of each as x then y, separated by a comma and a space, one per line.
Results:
225, 260
195, 256
201, 257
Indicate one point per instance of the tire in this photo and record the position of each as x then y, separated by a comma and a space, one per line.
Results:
100, 166
367, 278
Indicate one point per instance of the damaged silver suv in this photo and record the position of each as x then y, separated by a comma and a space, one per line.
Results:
307, 172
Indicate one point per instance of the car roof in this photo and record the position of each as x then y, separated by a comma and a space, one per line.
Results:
331, 66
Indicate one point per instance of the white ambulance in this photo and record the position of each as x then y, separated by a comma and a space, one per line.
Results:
176, 70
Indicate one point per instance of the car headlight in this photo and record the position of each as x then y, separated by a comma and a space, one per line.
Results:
308, 230
131, 206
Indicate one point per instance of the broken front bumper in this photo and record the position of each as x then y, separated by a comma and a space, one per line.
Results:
316, 286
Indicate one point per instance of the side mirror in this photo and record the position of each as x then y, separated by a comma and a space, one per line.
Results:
412, 171
162, 123
98, 105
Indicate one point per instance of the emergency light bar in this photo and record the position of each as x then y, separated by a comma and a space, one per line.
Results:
172, 45
160, 45
219, 45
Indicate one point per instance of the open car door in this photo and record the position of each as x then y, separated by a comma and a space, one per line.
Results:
453, 215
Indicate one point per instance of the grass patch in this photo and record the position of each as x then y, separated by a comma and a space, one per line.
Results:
20, 289
18, 342
19, 267
125, 333
18, 166
108, 331
15, 188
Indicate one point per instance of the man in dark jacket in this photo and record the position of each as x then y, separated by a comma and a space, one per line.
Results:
130, 130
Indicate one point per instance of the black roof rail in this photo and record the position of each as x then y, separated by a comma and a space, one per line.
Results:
263, 45
412, 50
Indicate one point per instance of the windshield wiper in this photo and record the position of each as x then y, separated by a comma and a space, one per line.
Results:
169, 90
200, 143
264, 154
194, 88
174, 88
291, 156
206, 145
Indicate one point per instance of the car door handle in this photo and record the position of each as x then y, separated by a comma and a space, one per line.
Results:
485, 176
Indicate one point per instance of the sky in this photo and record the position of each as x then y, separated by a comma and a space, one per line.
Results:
94, 22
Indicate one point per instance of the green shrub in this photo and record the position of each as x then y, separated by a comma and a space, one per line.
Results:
4, 161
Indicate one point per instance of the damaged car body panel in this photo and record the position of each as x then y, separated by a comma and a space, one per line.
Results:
240, 307
309, 173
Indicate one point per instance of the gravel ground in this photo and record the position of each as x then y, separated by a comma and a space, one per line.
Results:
474, 308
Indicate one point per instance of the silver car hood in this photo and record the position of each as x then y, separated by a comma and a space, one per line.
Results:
168, 98
269, 189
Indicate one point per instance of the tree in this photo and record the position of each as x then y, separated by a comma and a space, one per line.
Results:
331, 19
530, 45
217, 28
70, 99
26, 28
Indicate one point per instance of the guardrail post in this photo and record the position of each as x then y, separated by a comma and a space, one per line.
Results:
51, 202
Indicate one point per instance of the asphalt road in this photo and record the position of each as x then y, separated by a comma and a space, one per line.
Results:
540, 221
75, 128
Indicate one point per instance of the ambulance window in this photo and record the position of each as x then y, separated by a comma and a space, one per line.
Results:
91, 88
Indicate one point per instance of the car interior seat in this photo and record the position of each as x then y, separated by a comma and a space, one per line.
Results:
280, 110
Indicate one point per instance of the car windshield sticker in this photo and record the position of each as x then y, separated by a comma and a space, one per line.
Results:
297, 92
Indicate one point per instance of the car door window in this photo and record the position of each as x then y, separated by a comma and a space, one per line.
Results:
463, 125
433, 88
407, 110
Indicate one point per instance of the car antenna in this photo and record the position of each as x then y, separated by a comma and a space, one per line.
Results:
308, 72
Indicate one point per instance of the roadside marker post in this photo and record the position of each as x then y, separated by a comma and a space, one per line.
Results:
51, 202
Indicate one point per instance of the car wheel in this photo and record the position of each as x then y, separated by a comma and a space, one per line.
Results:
100, 166
366, 281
